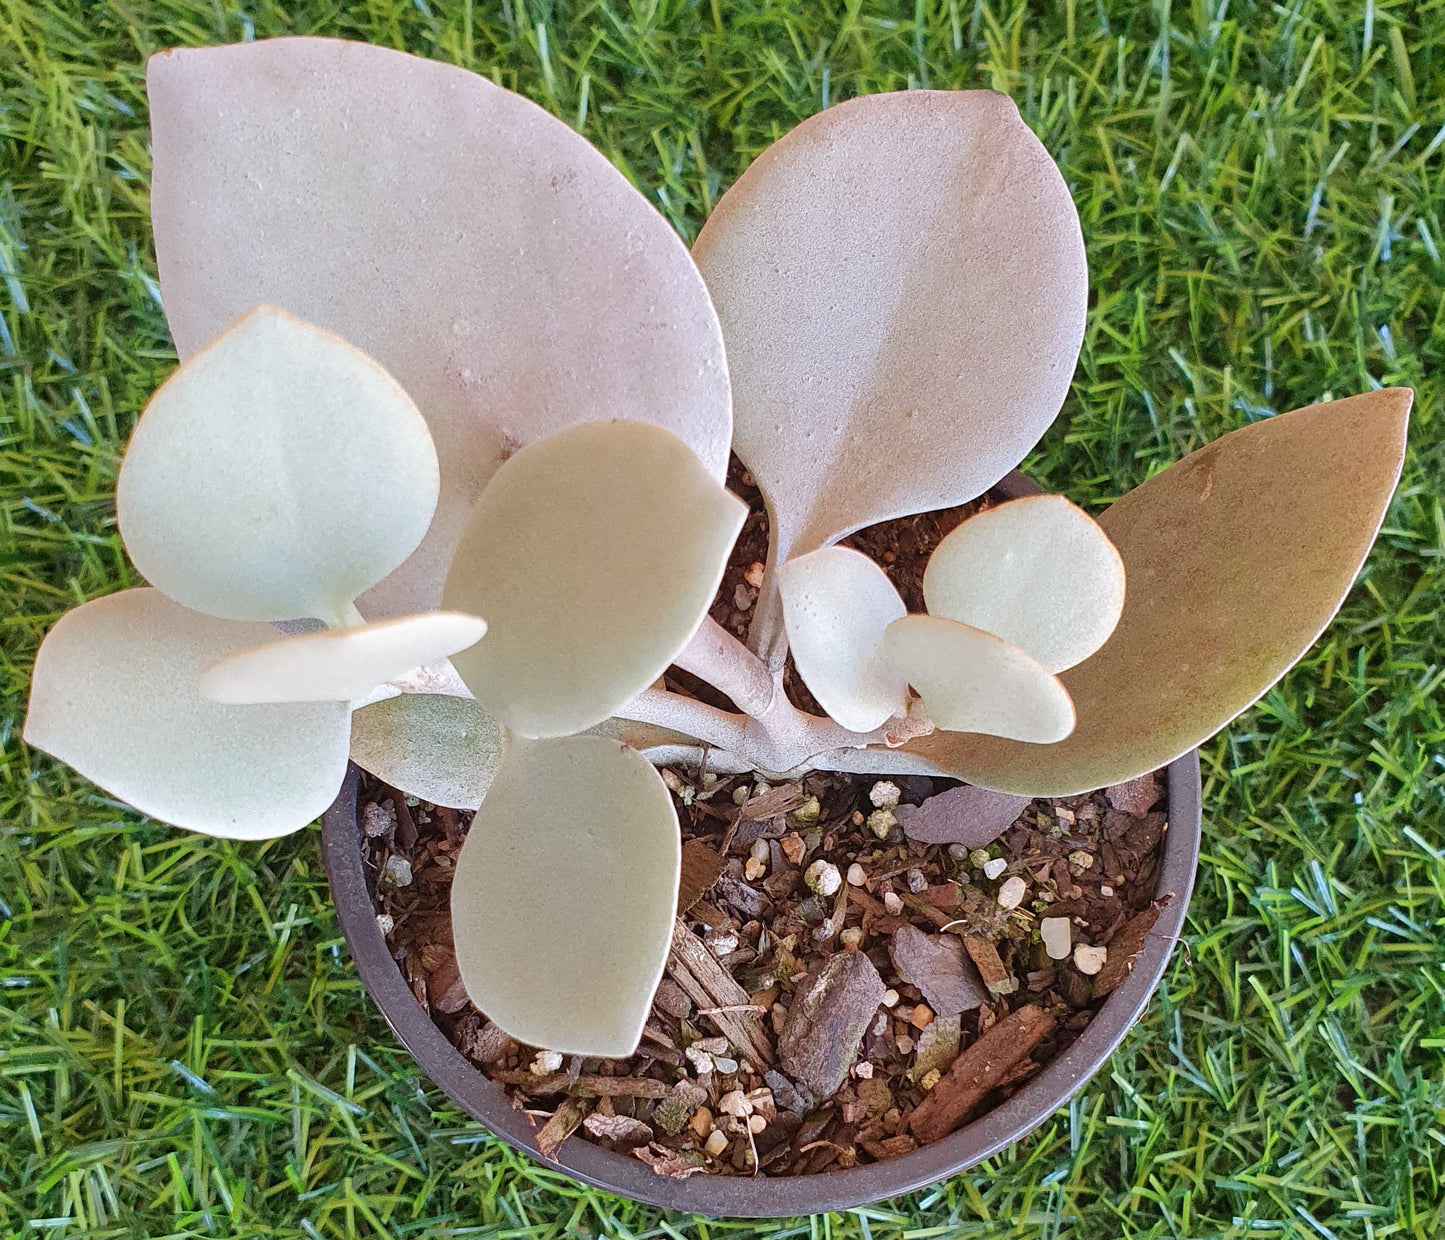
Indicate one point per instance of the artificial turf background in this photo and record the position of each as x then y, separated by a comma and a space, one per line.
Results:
184, 1048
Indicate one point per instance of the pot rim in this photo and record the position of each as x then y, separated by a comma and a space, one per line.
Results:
762, 1196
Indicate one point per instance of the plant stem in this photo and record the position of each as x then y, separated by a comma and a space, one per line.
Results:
725, 663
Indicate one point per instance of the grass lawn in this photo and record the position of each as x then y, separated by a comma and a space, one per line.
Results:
184, 1047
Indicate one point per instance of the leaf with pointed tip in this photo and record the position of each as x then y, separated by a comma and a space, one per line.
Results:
902, 286
836, 604
972, 681
277, 474
338, 665
1038, 572
1238, 556
440, 748
564, 895
511, 279
113, 695
594, 555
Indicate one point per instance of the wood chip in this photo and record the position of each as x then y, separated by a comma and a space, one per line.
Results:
1125, 946
990, 966
664, 1161
775, 802
583, 1086
702, 866
562, 1125
937, 1046
966, 815
1135, 796
936, 965
709, 985
622, 1129
980, 1068
827, 1020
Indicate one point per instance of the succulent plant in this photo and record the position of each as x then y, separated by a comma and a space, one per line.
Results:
454, 409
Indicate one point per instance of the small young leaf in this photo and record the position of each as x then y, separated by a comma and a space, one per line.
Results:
440, 748
594, 555
565, 892
972, 681
902, 286
1038, 572
277, 474
836, 603
1238, 556
114, 696
338, 665
484, 252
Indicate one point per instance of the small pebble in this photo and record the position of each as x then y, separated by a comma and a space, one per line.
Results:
959, 852
756, 1123
740, 795
808, 812
1011, 894
701, 1123
930, 1079
916, 880
1106, 890
890, 998
885, 794
1081, 858
754, 869
742, 600
734, 1103
978, 858
385, 922
724, 1065
754, 575
546, 1062
893, 903
722, 943
823, 877
904, 1044
396, 871
992, 869
1088, 959
716, 1143
1057, 935
672, 779
852, 936
857, 875
881, 822
863, 1070
921, 1017
701, 1061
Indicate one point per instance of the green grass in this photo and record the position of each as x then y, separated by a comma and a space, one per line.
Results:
184, 1048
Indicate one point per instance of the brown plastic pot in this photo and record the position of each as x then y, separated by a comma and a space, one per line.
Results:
785, 1196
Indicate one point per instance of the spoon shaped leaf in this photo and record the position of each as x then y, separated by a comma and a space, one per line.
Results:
902, 286
277, 474
564, 895
511, 279
440, 748
1038, 572
837, 603
113, 696
338, 665
972, 681
1238, 556
594, 555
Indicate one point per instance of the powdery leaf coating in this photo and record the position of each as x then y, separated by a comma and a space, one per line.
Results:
440, 748
564, 895
113, 696
339, 665
277, 474
511, 279
1038, 572
836, 604
1238, 557
972, 681
902, 285
594, 555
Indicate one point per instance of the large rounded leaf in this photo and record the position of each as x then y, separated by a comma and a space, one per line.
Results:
1038, 572
972, 681
114, 696
565, 893
902, 287
837, 603
1238, 556
440, 748
594, 555
507, 275
339, 665
277, 474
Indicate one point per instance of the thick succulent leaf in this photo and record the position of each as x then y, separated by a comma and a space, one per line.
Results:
902, 287
114, 696
1238, 556
1038, 572
278, 473
972, 681
511, 279
564, 895
339, 665
440, 748
594, 555
836, 603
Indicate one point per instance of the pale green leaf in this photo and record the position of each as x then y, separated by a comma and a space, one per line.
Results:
440, 748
